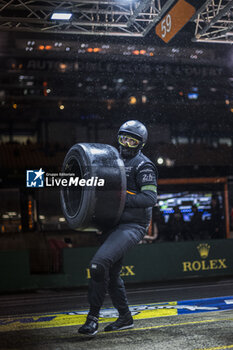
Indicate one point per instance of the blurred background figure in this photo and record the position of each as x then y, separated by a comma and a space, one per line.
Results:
176, 226
196, 225
216, 222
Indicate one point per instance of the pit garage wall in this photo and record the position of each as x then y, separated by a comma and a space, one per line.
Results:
144, 263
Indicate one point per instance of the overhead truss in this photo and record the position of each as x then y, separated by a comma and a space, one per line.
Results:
134, 18
104, 17
214, 22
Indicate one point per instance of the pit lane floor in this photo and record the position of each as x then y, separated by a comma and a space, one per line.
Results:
181, 315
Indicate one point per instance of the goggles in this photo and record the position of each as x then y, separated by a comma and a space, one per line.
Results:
129, 141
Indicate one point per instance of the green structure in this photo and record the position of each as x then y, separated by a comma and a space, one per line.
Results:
144, 263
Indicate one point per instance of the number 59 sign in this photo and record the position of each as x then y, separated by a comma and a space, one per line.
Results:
174, 20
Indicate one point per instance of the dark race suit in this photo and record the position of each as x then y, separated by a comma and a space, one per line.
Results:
140, 173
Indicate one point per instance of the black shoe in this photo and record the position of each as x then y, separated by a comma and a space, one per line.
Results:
90, 327
123, 322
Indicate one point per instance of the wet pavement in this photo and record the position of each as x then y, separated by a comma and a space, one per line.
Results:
171, 316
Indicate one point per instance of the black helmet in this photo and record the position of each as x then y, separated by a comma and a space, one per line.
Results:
135, 129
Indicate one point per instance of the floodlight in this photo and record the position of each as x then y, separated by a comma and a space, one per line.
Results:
64, 16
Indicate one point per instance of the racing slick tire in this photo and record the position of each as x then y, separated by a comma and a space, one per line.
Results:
93, 207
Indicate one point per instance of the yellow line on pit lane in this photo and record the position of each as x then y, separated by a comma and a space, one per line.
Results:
65, 320
173, 325
218, 347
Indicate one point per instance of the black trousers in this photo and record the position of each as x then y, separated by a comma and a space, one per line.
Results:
110, 256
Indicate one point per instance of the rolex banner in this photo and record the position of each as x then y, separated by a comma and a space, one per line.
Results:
144, 263
161, 261
168, 261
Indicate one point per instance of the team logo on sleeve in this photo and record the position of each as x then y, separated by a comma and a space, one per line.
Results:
35, 178
148, 177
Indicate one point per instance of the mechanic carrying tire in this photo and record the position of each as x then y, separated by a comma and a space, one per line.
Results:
132, 225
